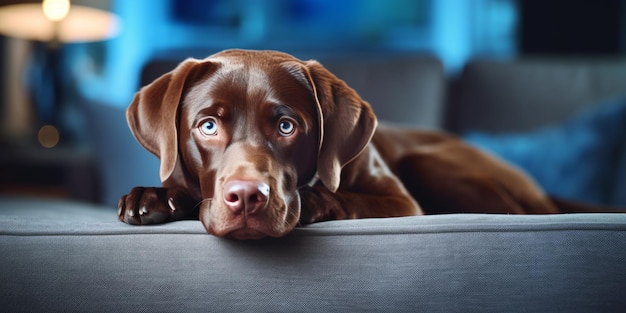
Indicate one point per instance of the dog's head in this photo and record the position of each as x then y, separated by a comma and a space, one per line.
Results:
242, 130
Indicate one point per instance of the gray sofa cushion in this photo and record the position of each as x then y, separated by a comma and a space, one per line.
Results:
520, 95
59, 256
403, 90
578, 159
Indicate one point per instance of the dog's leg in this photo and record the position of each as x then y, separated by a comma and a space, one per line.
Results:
368, 189
153, 205
452, 177
319, 204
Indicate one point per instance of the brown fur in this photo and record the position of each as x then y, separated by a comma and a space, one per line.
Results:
249, 181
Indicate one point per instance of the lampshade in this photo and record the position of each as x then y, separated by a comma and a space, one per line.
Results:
82, 24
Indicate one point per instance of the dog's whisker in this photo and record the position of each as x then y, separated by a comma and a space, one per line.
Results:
199, 204
296, 216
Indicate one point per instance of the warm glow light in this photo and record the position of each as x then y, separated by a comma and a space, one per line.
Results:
48, 136
82, 24
56, 10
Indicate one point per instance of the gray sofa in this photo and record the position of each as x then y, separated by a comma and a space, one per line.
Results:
69, 256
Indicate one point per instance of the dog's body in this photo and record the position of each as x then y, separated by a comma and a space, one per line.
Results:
256, 142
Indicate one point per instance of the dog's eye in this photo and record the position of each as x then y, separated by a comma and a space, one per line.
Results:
286, 127
209, 127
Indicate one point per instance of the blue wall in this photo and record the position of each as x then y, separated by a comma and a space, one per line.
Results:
453, 30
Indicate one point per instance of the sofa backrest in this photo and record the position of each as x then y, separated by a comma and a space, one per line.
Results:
404, 89
501, 96
123, 163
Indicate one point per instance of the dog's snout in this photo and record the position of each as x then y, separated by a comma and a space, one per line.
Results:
246, 196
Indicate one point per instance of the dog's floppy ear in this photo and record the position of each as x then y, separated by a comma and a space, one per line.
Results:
153, 114
347, 124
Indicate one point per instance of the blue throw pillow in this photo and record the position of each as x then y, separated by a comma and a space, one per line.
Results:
579, 159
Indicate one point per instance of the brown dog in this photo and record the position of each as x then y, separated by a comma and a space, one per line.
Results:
256, 142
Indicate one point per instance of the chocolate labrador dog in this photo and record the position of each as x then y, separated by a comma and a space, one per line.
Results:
254, 143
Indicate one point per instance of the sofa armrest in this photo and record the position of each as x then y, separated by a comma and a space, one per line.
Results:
59, 256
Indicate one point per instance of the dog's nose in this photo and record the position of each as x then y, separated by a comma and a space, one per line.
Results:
246, 196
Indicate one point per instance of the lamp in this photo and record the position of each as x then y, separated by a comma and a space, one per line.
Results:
53, 23
63, 22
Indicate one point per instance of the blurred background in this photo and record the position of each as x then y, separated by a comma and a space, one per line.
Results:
63, 93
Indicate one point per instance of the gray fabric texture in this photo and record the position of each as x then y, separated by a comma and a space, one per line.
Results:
403, 90
502, 96
59, 256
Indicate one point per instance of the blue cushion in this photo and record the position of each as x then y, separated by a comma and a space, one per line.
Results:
581, 159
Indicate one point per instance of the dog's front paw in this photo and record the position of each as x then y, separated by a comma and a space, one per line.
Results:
318, 204
152, 205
